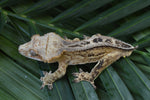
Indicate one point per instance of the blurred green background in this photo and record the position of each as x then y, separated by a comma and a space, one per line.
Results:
127, 20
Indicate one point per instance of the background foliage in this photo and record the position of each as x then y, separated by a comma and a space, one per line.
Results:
128, 20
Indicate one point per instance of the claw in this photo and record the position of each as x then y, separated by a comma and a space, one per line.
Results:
80, 70
50, 86
43, 85
44, 72
76, 80
92, 83
50, 72
75, 74
41, 78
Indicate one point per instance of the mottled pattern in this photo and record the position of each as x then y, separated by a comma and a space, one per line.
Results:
52, 48
85, 42
76, 45
108, 41
96, 40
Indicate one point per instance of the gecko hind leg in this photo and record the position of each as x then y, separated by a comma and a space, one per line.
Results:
90, 77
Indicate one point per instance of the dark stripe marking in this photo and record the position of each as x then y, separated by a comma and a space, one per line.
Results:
96, 40
119, 43
100, 64
125, 45
108, 40
100, 40
77, 45
47, 42
89, 55
85, 42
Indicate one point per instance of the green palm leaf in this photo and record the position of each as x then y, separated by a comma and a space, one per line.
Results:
126, 79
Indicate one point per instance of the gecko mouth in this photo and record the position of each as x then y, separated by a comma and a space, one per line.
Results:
37, 57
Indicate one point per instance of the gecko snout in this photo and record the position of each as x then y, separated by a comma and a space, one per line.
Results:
23, 48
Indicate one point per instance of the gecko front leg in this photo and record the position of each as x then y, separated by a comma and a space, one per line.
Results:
99, 67
49, 78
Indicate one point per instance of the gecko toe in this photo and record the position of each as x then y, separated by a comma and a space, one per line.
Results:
44, 72
43, 85
80, 70
50, 86
41, 78
76, 80
75, 74
92, 83
50, 72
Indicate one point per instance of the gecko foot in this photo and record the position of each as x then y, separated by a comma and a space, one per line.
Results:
47, 80
83, 76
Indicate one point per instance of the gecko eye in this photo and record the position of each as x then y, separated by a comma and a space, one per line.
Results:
33, 53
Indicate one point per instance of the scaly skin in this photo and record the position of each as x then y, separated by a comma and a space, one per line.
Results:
52, 48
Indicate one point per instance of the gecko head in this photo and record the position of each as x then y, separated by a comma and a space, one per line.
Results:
30, 49
42, 48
